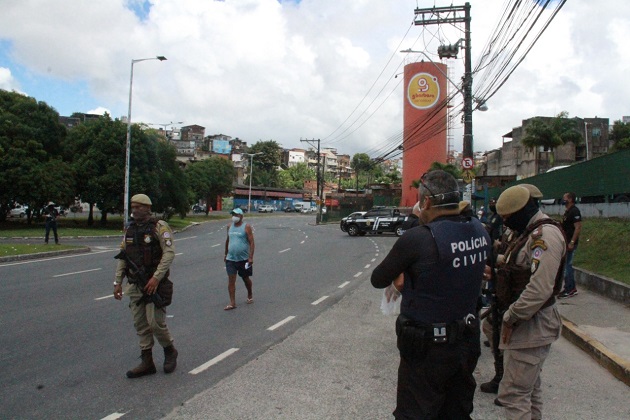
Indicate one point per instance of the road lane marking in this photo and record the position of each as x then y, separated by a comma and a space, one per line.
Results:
77, 272
368, 266
358, 274
183, 239
302, 242
281, 323
215, 245
344, 284
113, 416
284, 250
179, 253
104, 297
320, 300
373, 259
376, 254
46, 259
214, 361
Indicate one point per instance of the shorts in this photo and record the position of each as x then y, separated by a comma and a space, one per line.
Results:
238, 267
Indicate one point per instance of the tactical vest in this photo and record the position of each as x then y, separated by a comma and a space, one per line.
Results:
512, 280
142, 244
450, 289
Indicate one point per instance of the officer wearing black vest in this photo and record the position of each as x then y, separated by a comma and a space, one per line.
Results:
150, 251
442, 264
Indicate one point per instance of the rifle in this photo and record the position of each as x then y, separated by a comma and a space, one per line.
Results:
140, 279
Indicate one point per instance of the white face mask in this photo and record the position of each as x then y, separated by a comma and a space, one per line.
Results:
236, 219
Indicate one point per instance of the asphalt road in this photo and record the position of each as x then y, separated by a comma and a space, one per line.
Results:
66, 343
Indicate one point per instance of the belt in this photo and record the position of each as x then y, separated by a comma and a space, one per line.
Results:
440, 332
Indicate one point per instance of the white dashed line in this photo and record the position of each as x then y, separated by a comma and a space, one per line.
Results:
77, 272
183, 239
215, 245
214, 361
179, 253
358, 274
281, 323
284, 250
344, 284
320, 300
302, 242
368, 266
373, 259
114, 416
105, 297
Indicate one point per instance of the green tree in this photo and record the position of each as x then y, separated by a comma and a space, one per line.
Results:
173, 183
620, 135
361, 163
551, 133
210, 178
265, 166
33, 171
98, 150
294, 176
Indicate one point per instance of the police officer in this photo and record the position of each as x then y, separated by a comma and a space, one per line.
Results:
442, 264
149, 246
529, 275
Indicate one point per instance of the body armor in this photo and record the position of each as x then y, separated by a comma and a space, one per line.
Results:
142, 244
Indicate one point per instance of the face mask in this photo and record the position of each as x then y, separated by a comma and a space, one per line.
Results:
493, 209
140, 214
563, 202
236, 219
519, 220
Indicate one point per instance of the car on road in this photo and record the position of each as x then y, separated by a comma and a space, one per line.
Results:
289, 209
354, 215
199, 208
18, 211
376, 221
266, 208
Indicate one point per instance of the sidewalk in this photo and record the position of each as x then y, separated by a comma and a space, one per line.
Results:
343, 365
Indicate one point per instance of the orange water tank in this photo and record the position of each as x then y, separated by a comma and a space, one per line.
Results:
425, 125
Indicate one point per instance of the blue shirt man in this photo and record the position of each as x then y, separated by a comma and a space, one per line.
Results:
239, 256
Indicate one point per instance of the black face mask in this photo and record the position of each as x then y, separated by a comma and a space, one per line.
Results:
519, 220
493, 209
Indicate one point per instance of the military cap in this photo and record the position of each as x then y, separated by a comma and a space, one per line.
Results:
141, 199
463, 205
512, 200
534, 192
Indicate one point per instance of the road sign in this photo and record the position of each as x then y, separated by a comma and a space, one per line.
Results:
468, 163
468, 175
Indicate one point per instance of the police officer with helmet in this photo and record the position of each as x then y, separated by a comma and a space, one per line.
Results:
148, 254
529, 276
438, 267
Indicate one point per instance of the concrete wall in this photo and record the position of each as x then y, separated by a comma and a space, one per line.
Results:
592, 210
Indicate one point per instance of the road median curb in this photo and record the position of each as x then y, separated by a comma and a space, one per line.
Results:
612, 362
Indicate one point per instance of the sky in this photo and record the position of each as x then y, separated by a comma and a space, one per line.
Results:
295, 70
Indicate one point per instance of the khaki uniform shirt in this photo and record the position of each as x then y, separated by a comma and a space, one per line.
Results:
168, 253
543, 252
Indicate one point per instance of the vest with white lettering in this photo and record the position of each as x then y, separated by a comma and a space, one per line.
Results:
449, 289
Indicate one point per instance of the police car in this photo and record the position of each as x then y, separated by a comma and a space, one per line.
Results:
376, 220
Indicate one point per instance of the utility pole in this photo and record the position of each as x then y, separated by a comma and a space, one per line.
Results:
318, 193
452, 15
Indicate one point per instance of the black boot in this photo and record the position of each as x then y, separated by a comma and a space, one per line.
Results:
170, 359
146, 366
492, 387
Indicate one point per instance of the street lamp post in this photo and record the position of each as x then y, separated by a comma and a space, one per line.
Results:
251, 167
128, 145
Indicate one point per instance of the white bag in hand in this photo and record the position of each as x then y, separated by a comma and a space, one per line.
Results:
390, 303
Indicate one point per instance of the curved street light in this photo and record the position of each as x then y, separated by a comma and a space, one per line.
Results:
128, 145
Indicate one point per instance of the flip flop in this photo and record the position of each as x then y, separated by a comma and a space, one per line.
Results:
229, 308
250, 300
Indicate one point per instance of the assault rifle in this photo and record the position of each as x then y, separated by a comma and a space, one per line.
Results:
140, 279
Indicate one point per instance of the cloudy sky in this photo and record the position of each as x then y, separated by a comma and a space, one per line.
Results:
291, 70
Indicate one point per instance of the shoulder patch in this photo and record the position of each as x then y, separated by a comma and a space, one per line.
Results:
538, 243
535, 265
536, 233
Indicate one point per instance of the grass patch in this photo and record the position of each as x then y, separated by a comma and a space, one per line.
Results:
604, 248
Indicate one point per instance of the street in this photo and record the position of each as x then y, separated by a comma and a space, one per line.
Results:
67, 343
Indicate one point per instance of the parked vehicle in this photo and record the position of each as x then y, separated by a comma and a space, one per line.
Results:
376, 221
302, 207
354, 215
199, 208
289, 209
266, 208
18, 211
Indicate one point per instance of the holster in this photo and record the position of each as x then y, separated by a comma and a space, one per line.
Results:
411, 339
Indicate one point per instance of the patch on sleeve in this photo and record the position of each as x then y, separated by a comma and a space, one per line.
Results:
166, 234
535, 265
537, 253
538, 243
168, 242
537, 233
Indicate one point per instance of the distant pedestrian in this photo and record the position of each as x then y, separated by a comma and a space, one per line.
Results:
572, 226
239, 256
150, 251
529, 275
51, 222
443, 263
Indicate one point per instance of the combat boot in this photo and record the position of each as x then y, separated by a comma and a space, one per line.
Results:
170, 359
146, 366
491, 387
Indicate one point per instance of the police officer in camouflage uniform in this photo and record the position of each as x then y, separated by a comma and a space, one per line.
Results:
149, 244
529, 276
